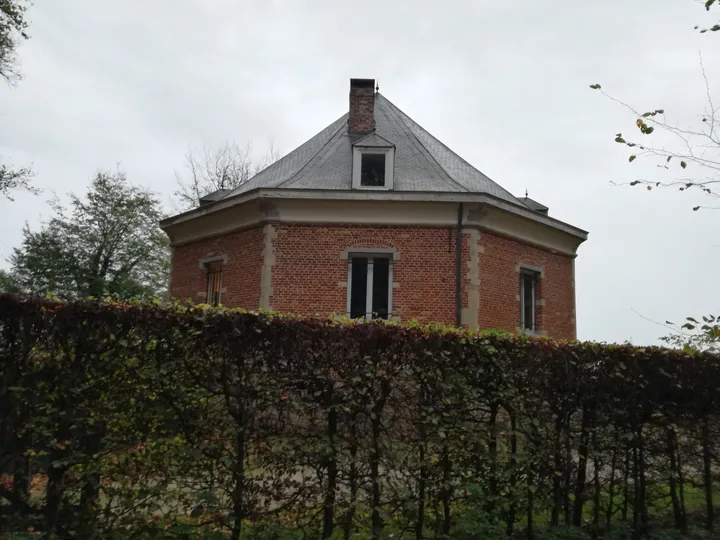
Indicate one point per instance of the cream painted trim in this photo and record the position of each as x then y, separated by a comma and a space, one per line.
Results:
370, 211
537, 269
266, 288
470, 315
358, 151
574, 313
349, 195
212, 259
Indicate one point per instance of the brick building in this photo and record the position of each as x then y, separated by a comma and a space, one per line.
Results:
374, 217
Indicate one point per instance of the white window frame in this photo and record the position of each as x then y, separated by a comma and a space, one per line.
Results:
389, 152
369, 281
536, 277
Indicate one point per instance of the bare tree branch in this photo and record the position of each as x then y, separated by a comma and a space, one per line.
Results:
683, 146
223, 168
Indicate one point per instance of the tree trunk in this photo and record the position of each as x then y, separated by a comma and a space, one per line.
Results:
377, 521
626, 485
671, 441
329, 505
91, 483
492, 454
597, 464
513, 454
422, 481
446, 491
582, 468
707, 476
353, 478
611, 494
238, 495
54, 492
557, 469
644, 518
568, 469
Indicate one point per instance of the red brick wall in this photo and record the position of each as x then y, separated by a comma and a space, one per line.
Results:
361, 119
241, 273
500, 286
308, 269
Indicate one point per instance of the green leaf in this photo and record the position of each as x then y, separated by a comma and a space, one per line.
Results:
595, 86
708, 4
683, 164
619, 140
632, 158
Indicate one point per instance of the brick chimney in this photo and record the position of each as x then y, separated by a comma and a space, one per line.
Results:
362, 106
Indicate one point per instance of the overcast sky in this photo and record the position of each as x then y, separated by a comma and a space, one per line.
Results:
504, 84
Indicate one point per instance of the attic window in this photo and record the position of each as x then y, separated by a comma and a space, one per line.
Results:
372, 170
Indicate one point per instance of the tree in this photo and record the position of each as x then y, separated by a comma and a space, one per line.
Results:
8, 283
222, 168
109, 243
15, 179
12, 31
692, 150
13, 27
695, 335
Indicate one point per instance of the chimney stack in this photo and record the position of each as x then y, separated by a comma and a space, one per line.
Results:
362, 106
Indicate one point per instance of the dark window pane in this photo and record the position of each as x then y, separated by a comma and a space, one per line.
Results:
358, 290
528, 301
372, 170
381, 288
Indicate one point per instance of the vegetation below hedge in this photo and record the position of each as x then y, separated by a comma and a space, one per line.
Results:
121, 419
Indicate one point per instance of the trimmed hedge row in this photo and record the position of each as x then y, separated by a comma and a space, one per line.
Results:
155, 419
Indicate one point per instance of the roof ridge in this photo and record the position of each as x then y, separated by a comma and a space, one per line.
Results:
458, 156
425, 152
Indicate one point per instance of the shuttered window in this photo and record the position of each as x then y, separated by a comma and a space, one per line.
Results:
214, 283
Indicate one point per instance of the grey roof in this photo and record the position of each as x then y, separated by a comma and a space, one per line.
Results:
422, 163
534, 205
214, 196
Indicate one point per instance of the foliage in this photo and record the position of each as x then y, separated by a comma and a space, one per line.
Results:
13, 29
11, 179
8, 283
146, 420
107, 244
691, 151
221, 169
695, 335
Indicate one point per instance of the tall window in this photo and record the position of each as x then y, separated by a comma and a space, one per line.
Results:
528, 300
214, 282
369, 287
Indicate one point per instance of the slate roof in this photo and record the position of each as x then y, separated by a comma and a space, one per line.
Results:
422, 163
534, 205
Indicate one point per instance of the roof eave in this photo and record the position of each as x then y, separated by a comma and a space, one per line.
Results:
407, 196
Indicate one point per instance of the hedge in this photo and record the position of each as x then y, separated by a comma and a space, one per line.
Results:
123, 419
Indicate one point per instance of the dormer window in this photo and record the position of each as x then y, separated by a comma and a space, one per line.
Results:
373, 163
372, 170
